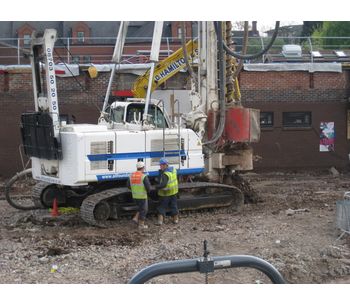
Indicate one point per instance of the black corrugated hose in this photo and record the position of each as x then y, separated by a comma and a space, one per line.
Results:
251, 56
8, 190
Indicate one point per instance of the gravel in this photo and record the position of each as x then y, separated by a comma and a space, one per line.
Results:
303, 245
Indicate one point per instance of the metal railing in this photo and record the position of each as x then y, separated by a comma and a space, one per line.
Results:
89, 49
308, 44
206, 266
100, 49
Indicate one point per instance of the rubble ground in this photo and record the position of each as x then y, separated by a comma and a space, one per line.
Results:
292, 227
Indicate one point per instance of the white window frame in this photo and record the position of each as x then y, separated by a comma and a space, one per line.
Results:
80, 38
26, 39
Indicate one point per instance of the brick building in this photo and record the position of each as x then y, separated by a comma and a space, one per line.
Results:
90, 41
292, 104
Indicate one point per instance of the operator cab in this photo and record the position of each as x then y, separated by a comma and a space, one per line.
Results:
129, 114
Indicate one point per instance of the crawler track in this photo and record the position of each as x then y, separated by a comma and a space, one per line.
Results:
37, 194
97, 208
90, 205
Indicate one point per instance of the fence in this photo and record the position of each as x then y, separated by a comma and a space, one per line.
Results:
312, 48
100, 49
343, 214
89, 49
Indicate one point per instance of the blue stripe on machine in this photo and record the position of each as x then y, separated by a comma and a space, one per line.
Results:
124, 175
135, 155
180, 171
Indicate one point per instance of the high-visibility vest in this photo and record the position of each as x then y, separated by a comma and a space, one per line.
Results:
172, 187
138, 189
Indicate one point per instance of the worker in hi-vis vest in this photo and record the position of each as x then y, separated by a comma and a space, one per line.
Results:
167, 192
139, 184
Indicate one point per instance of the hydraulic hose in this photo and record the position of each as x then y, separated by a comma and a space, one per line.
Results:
244, 50
222, 118
221, 47
251, 56
8, 190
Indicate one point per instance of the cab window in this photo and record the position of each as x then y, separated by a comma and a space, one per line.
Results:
117, 114
135, 114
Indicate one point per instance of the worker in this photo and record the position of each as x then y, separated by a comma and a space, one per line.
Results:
167, 192
139, 184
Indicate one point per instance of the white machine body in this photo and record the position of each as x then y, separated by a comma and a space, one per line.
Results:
94, 153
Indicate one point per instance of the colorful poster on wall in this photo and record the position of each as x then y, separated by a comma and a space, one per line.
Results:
327, 136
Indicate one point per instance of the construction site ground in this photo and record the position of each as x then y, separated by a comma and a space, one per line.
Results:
293, 226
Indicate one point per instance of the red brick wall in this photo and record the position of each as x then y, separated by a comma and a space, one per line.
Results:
25, 29
98, 53
324, 94
268, 80
80, 26
177, 24
296, 80
20, 82
19, 99
103, 54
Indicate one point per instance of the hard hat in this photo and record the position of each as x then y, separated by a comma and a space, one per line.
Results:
163, 161
140, 165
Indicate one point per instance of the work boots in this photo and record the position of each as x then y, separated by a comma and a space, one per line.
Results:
160, 220
135, 219
175, 219
142, 225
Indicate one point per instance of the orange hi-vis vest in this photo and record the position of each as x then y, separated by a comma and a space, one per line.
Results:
138, 189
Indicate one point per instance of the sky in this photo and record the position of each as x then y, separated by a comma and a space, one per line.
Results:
267, 11
264, 26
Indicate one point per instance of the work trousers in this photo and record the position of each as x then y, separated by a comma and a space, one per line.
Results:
168, 203
143, 207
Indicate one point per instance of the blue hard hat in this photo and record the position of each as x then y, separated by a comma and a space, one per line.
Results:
163, 161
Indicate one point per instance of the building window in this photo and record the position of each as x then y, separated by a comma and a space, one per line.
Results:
266, 119
26, 39
81, 36
179, 32
297, 119
86, 59
75, 59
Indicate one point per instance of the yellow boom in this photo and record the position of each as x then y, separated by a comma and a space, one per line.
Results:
165, 69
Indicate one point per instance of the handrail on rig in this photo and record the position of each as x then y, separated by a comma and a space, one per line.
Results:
208, 265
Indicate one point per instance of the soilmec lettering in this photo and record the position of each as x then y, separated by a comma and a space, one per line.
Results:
49, 58
51, 79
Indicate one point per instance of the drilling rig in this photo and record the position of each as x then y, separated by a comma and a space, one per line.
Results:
87, 165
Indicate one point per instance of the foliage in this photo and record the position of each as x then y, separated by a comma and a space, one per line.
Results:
328, 35
309, 27
239, 26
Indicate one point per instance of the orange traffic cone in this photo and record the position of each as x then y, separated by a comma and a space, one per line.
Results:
54, 211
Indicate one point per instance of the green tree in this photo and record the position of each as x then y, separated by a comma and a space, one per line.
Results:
309, 27
326, 36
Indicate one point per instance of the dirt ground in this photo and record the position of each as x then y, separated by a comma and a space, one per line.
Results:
292, 227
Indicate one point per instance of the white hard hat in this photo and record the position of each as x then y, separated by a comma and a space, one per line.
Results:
140, 165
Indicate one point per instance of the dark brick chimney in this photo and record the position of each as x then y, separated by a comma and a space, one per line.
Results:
254, 28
